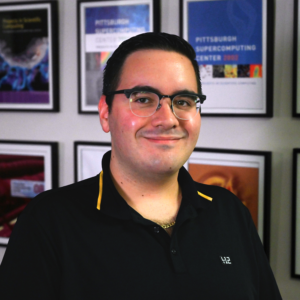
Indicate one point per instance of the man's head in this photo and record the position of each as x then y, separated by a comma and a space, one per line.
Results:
149, 40
156, 144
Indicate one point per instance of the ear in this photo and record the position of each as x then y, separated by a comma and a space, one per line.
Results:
103, 113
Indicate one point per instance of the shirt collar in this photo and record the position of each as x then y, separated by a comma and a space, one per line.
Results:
111, 203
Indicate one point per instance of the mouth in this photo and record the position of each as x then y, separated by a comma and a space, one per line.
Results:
163, 140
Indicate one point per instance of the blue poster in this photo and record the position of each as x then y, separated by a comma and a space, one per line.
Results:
227, 32
24, 57
105, 27
117, 19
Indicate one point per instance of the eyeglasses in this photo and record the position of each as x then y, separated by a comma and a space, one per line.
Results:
144, 103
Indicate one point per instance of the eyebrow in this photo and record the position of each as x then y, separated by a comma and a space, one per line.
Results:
148, 88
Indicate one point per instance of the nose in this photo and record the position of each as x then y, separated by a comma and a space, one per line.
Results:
164, 115
159, 104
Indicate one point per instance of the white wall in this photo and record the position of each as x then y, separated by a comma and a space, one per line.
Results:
280, 134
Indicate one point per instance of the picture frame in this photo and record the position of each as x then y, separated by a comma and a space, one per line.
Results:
96, 19
296, 65
29, 75
295, 262
26, 169
88, 158
245, 173
233, 41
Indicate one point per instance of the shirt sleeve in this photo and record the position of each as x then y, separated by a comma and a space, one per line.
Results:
30, 268
268, 288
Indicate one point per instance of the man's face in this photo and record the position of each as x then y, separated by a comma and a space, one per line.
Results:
159, 144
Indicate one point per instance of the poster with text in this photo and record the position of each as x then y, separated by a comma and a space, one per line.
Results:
233, 44
26, 57
26, 169
103, 26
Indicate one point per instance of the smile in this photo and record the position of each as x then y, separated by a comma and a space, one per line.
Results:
163, 140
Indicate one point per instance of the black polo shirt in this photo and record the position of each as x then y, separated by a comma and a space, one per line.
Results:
84, 242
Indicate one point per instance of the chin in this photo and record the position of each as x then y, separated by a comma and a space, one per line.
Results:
159, 166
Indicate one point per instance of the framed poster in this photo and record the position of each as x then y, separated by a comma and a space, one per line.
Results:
26, 169
29, 56
88, 158
102, 27
296, 69
233, 41
247, 174
296, 215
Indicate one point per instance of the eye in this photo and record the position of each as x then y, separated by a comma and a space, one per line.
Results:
182, 103
143, 98
185, 101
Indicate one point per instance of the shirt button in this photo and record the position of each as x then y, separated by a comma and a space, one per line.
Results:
173, 251
156, 229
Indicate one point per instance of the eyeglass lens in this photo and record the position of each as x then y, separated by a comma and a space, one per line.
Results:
144, 104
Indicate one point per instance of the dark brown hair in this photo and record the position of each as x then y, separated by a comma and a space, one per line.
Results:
149, 40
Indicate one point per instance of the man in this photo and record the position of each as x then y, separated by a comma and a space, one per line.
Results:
142, 229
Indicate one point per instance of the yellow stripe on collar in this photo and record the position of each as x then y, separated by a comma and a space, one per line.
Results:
100, 190
204, 196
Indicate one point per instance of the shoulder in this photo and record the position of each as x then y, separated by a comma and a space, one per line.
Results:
83, 193
215, 192
227, 205
50, 218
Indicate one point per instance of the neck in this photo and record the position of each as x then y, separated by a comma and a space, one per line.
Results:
155, 197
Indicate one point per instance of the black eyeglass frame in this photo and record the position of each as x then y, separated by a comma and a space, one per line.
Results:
128, 92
